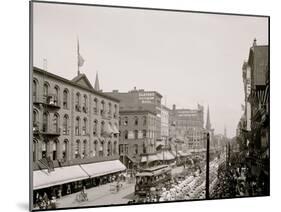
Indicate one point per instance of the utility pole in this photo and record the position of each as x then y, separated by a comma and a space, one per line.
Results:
207, 166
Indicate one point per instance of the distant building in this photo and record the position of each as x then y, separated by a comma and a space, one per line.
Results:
188, 125
74, 126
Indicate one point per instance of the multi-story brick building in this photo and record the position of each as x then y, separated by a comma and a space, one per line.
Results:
74, 125
139, 99
137, 135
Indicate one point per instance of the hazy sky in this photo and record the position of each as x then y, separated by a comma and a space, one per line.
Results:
189, 58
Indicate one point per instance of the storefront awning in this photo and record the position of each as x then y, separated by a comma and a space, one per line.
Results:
61, 175
103, 168
166, 155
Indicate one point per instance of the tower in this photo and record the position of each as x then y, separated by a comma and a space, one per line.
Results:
97, 84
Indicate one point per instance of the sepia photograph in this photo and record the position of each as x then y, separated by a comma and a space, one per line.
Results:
145, 105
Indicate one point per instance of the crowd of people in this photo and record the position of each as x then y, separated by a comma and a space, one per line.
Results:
43, 202
235, 179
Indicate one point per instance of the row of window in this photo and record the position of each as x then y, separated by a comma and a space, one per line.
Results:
65, 103
65, 124
125, 121
79, 149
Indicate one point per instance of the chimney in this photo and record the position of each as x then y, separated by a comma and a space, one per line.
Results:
174, 107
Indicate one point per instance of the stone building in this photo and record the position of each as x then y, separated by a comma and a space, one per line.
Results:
74, 124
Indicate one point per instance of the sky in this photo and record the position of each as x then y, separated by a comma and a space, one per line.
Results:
189, 58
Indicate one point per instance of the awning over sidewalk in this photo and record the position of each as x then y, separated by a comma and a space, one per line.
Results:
61, 175
166, 155
103, 168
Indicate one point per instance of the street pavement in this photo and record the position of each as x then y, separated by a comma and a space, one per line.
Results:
100, 195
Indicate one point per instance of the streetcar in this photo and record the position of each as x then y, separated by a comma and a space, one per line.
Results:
153, 178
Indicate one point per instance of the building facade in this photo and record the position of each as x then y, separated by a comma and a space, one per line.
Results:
164, 122
139, 99
188, 125
137, 135
73, 124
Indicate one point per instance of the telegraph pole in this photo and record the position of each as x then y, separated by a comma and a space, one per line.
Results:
207, 166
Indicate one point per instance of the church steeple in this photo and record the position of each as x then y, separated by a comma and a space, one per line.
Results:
208, 122
97, 84
225, 135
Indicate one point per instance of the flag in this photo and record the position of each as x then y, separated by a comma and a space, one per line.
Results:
80, 58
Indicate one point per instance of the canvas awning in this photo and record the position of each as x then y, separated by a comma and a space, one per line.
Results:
149, 158
61, 175
166, 155
103, 168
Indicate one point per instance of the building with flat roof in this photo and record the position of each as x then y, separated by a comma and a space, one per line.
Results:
73, 124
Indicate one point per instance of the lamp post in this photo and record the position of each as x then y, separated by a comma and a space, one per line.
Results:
207, 166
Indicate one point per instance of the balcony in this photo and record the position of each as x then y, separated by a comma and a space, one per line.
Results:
49, 101
50, 132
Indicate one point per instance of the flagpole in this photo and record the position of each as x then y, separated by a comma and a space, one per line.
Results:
78, 71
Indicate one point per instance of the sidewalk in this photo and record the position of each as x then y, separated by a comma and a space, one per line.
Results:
100, 195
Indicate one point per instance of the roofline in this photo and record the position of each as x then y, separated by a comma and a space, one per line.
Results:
136, 111
39, 70
132, 91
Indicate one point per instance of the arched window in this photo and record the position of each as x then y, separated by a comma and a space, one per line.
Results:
102, 111
144, 120
109, 148
57, 95
125, 121
102, 128
101, 149
44, 149
136, 120
65, 125
85, 108
55, 149
115, 111
56, 123
46, 90
95, 105
77, 126
84, 128
135, 134
65, 99
95, 150
34, 90
45, 121
77, 102
77, 149
109, 108
115, 148
84, 149
65, 149
95, 129
126, 134
144, 133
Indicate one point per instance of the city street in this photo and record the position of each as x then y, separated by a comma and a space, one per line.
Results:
100, 195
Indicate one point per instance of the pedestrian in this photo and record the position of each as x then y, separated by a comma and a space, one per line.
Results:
53, 203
